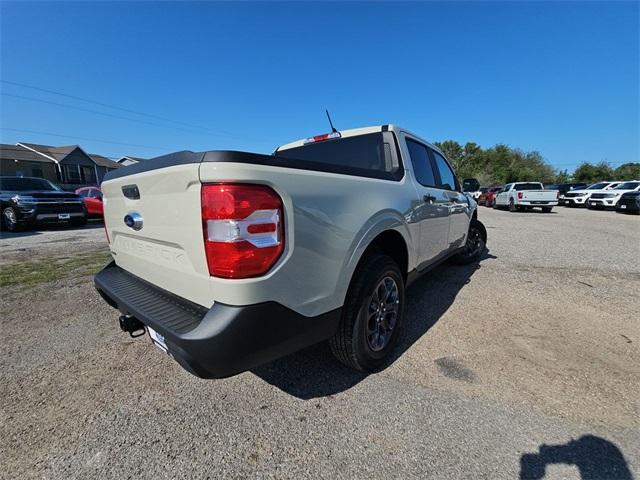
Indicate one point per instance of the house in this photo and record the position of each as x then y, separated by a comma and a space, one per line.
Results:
69, 166
17, 161
126, 160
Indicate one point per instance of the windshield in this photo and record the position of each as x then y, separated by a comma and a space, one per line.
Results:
527, 186
19, 184
627, 186
597, 186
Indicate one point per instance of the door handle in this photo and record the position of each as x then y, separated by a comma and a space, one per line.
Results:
429, 198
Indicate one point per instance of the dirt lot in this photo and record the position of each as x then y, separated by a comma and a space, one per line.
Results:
524, 365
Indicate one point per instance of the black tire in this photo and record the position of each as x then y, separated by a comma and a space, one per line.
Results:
352, 344
10, 220
547, 209
512, 206
475, 245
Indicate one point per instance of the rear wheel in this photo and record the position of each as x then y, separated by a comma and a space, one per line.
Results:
512, 206
475, 244
372, 315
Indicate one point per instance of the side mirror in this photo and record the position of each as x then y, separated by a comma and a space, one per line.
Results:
470, 185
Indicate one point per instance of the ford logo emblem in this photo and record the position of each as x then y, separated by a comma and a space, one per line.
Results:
133, 220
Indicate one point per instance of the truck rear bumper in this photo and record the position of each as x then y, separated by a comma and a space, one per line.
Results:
218, 342
538, 203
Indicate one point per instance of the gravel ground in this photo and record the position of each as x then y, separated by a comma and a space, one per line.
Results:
524, 365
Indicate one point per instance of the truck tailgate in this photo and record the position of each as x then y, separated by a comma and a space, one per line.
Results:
539, 195
160, 252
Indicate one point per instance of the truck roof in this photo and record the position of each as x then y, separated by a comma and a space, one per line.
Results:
352, 132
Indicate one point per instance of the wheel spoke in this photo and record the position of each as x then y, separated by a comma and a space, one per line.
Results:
382, 313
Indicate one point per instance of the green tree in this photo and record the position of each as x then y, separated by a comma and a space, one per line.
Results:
589, 173
562, 176
627, 171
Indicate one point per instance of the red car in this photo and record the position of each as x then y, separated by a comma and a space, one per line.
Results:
92, 197
489, 197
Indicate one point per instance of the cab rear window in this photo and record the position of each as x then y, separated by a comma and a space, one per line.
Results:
370, 152
527, 186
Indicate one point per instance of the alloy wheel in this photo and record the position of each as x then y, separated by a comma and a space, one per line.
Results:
382, 313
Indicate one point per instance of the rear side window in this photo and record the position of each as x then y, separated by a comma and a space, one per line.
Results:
628, 186
447, 177
527, 186
421, 163
366, 152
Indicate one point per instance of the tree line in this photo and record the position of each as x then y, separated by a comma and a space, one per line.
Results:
502, 164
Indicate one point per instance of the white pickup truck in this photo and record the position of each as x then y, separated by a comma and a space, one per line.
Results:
232, 259
521, 196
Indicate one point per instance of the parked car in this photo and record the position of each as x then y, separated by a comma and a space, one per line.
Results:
470, 185
610, 198
629, 202
232, 259
564, 188
27, 201
92, 197
578, 198
488, 197
521, 196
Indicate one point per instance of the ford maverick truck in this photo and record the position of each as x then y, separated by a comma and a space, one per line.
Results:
231, 259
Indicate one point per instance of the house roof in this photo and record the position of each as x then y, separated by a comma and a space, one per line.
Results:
59, 153
55, 152
16, 152
104, 161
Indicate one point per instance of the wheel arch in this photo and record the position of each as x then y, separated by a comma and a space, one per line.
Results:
388, 234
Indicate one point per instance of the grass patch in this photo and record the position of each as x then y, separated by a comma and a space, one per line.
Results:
34, 272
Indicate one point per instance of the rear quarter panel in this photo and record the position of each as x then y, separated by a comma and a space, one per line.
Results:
330, 219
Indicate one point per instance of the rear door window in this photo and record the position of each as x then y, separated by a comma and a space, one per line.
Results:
447, 177
422, 167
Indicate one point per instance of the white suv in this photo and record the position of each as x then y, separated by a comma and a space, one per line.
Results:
611, 197
578, 198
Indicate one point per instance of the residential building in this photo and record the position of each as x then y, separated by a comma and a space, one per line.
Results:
68, 166
17, 161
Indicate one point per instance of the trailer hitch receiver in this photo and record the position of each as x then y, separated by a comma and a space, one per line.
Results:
131, 325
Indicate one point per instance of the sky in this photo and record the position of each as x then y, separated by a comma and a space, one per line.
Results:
147, 78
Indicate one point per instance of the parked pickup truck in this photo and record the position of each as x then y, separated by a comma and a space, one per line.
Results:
232, 259
26, 201
521, 196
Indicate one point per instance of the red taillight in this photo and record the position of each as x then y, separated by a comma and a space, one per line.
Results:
243, 229
519, 195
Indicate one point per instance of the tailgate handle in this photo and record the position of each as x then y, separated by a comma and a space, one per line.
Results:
131, 191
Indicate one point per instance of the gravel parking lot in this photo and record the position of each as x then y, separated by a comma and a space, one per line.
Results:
526, 364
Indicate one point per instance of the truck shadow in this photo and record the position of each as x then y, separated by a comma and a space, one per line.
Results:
595, 458
314, 372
